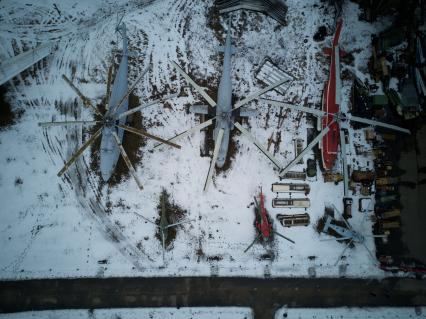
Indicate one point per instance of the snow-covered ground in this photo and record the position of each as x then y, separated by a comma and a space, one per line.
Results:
78, 226
225, 313
350, 313
136, 313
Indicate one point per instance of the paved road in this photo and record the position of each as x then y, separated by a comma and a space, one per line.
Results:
263, 295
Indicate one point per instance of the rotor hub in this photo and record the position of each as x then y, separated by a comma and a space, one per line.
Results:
226, 116
340, 117
109, 121
359, 238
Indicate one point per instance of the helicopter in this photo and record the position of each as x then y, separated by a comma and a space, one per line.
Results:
348, 234
164, 224
113, 121
263, 223
224, 112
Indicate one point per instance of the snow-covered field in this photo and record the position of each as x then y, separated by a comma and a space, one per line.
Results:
78, 226
152, 313
225, 313
350, 313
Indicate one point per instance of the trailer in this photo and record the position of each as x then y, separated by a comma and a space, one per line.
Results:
295, 175
291, 203
290, 188
294, 219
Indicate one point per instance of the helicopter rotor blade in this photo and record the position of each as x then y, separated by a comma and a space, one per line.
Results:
344, 163
189, 132
179, 223
163, 242
308, 148
377, 123
139, 108
344, 219
373, 258
376, 236
116, 107
294, 107
119, 21
146, 219
198, 88
86, 101
333, 239
146, 134
263, 149
256, 203
253, 242
286, 238
214, 159
127, 160
66, 123
343, 252
80, 151
254, 96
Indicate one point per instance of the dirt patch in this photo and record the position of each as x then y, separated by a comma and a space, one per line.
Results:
213, 22
172, 213
209, 147
7, 116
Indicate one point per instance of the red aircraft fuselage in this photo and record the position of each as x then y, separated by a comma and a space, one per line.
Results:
331, 104
264, 226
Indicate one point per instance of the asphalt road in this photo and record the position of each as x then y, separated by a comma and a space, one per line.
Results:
264, 296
